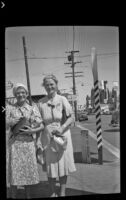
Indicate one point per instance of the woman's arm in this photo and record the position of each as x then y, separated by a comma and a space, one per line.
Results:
10, 121
68, 122
65, 126
40, 128
68, 117
30, 130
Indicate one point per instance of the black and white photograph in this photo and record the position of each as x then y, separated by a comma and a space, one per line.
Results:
62, 111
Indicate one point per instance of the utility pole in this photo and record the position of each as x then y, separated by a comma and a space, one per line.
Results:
71, 58
27, 72
71, 61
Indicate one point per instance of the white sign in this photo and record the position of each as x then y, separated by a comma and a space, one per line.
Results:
72, 97
115, 85
101, 84
9, 85
105, 100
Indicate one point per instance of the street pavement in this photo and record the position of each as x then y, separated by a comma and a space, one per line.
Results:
109, 133
89, 178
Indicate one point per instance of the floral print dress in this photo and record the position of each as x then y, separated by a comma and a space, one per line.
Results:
61, 162
21, 163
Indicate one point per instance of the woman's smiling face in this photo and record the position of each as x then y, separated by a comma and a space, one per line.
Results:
50, 86
21, 95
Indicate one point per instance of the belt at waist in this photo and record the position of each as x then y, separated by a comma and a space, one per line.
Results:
24, 138
52, 122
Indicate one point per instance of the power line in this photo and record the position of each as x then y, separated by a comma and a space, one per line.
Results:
62, 57
66, 40
101, 54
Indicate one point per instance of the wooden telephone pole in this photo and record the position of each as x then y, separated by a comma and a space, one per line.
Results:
27, 72
71, 58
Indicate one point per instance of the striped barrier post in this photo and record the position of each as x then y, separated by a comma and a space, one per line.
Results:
97, 103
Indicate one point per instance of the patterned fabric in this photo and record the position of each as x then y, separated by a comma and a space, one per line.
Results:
21, 164
62, 162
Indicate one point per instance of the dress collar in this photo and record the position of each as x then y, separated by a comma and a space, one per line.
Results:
51, 102
25, 105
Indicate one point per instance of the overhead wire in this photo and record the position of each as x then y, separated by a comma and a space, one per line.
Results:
63, 57
65, 35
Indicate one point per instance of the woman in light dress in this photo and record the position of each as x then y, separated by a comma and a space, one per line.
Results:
21, 162
59, 159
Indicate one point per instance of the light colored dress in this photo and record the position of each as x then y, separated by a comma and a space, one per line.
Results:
21, 163
61, 162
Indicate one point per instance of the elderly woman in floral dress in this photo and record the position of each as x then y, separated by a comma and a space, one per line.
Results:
22, 169
59, 159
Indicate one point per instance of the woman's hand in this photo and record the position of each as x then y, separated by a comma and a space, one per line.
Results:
30, 130
27, 129
58, 131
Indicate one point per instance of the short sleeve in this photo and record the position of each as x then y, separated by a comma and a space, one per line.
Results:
7, 110
9, 119
66, 106
7, 115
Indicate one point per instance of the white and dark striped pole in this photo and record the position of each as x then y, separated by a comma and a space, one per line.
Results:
97, 103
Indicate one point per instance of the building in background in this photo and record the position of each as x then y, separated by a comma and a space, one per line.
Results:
35, 99
108, 98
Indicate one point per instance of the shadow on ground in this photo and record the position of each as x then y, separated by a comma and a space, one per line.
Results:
73, 192
41, 190
78, 158
112, 130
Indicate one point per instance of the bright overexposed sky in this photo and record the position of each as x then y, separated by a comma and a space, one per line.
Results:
46, 51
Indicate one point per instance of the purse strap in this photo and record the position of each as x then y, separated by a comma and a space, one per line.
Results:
21, 112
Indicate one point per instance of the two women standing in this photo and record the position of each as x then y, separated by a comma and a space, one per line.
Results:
58, 157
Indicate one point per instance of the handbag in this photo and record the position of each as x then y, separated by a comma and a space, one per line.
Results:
57, 141
21, 123
61, 141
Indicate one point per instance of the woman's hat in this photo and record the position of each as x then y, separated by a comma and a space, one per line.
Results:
17, 86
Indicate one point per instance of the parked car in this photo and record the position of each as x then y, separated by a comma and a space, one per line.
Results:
82, 117
115, 117
106, 112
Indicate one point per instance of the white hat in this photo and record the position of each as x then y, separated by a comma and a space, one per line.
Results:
17, 86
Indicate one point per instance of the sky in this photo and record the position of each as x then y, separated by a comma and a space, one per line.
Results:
46, 52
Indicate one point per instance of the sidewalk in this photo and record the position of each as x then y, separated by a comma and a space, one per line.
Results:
88, 178
94, 178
